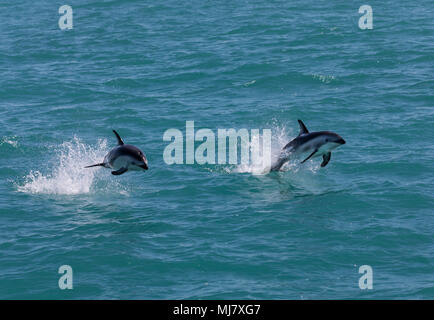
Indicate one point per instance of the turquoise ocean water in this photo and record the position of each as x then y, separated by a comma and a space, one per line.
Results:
216, 231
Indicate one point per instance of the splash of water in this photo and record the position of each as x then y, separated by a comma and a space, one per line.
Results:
260, 153
280, 137
297, 180
67, 175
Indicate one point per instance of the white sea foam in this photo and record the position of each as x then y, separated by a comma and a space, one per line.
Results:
66, 172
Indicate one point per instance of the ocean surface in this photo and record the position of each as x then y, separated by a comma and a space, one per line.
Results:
216, 231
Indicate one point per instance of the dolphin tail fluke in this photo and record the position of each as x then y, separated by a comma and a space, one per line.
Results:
278, 165
96, 165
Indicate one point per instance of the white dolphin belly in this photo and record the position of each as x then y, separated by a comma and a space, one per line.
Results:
121, 162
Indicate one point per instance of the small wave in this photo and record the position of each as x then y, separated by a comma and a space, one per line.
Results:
68, 175
12, 140
244, 84
324, 78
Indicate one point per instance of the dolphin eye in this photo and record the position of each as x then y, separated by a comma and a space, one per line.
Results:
327, 140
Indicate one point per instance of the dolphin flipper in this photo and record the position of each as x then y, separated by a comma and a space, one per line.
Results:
310, 156
326, 158
120, 142
120, 171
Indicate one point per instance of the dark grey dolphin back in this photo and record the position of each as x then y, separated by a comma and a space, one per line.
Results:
120, 142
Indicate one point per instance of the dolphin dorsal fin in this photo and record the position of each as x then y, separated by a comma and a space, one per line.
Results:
303, 129
120, 142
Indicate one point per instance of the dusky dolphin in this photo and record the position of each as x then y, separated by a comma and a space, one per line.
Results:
319, 143
123, 157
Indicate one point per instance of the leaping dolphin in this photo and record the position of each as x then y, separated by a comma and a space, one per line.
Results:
123, 157
319, 143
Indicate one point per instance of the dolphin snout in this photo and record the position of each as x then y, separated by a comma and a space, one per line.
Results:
144, 166
341, 141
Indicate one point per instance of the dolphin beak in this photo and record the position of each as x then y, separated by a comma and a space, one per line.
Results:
144, 166
341, 141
